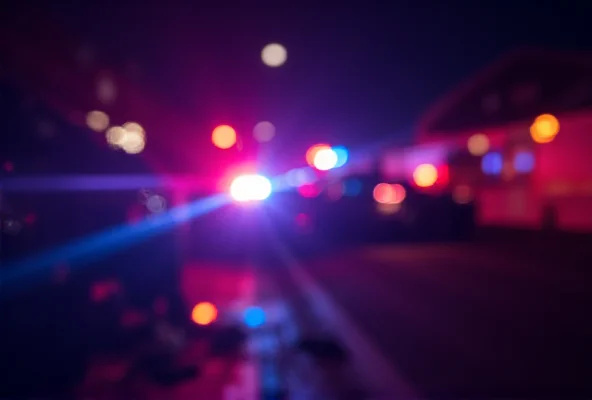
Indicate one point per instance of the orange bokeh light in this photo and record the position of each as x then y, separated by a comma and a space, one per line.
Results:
425, 175
478, 144
312, 152
224, 137
544, 128
204, 313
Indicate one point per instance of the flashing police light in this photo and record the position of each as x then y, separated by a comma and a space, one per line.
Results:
247, 188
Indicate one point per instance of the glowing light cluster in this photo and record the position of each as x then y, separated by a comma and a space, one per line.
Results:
324, 157
247, 188
130, 137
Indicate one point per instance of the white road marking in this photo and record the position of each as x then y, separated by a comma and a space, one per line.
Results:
379, 375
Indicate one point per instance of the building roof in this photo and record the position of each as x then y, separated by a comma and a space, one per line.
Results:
518, 87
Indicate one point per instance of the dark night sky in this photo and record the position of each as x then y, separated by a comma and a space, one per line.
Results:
355, 71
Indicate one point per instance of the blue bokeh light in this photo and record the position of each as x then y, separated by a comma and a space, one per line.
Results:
492, 163
342, 156
524, 162
254, 317
353, 187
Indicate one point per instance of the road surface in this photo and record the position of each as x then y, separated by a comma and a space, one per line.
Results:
417, 321
466, 321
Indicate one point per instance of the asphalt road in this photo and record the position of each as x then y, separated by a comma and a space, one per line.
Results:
466, 321
455, 321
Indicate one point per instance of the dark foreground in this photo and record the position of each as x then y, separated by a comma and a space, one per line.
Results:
469, 321
453, 320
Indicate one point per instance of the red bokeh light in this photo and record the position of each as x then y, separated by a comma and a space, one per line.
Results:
309, 190
385, 193
443, 175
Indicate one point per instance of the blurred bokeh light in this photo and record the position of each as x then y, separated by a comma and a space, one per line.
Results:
342, 156
135, 138
425, 175
204, 313
524, 162
386, 193
325, 159
98, 121
254, 316
274, 55
224, 137
312, 152
264, 131
478, 144
130, 137
115, 136
544, 128
309, 190
134, 143
492, 163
